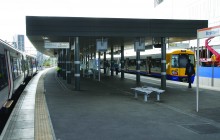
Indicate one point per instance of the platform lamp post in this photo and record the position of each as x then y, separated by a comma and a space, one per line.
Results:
122, 61
163, 63
77, 64
197, 76
213, 58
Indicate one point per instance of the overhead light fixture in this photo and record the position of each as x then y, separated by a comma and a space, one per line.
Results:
45, 38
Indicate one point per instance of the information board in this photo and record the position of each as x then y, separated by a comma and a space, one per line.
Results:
101, 45
56, 45
139, 46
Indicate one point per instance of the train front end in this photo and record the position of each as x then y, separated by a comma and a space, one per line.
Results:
176, 65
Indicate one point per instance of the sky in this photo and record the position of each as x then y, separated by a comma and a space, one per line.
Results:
13, 12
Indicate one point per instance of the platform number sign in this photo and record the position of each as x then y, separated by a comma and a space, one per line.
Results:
139, 45
101, 45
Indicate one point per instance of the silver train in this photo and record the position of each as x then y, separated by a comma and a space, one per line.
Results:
16, 68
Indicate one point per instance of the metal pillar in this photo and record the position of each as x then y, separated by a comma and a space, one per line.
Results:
58, 62
61, 63
138, 62
122, 62
64, 64
112, 62
99, 55
163, 63
99, 65
68, 58
197, 77
87, 61
94, 55
77, 65
104, 62
94, 70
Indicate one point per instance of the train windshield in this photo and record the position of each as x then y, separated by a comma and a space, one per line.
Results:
180, 60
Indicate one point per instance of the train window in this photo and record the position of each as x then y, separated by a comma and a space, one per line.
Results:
3, 72
23, 68
192, 58
155, 62
183, 59
175, 60
132, 62
15, 68
33, 63
27, 64
143, 63
19, 67
12, 68
30, 63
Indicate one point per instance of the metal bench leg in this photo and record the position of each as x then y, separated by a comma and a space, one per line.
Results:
158, 97
145, 97
135, 95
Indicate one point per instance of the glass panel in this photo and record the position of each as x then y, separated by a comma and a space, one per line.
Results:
155, 62
183, 59
175, 61
15, 67
192, 58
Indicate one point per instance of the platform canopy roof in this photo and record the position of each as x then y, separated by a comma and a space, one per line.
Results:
116, 30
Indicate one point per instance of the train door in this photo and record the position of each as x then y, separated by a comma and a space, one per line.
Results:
3, 80
23, 67
149, 64
31, 66
126, 64
183, 59
34, 65
10, 76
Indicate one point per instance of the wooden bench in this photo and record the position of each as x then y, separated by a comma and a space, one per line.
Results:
147, 91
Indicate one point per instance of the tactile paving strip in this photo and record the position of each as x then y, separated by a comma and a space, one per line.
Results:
43, 130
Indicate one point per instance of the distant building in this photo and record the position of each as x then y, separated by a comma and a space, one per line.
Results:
18, 41
157, 2
188, 9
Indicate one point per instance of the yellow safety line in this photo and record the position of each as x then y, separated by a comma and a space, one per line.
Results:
43, 130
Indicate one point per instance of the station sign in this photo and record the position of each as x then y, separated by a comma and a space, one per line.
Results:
208, 32
56, 45
139, 45
101, 45
178, 45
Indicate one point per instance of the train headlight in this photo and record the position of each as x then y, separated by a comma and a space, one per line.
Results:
174, 72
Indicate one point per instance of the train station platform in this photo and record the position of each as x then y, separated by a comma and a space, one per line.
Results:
108, 110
